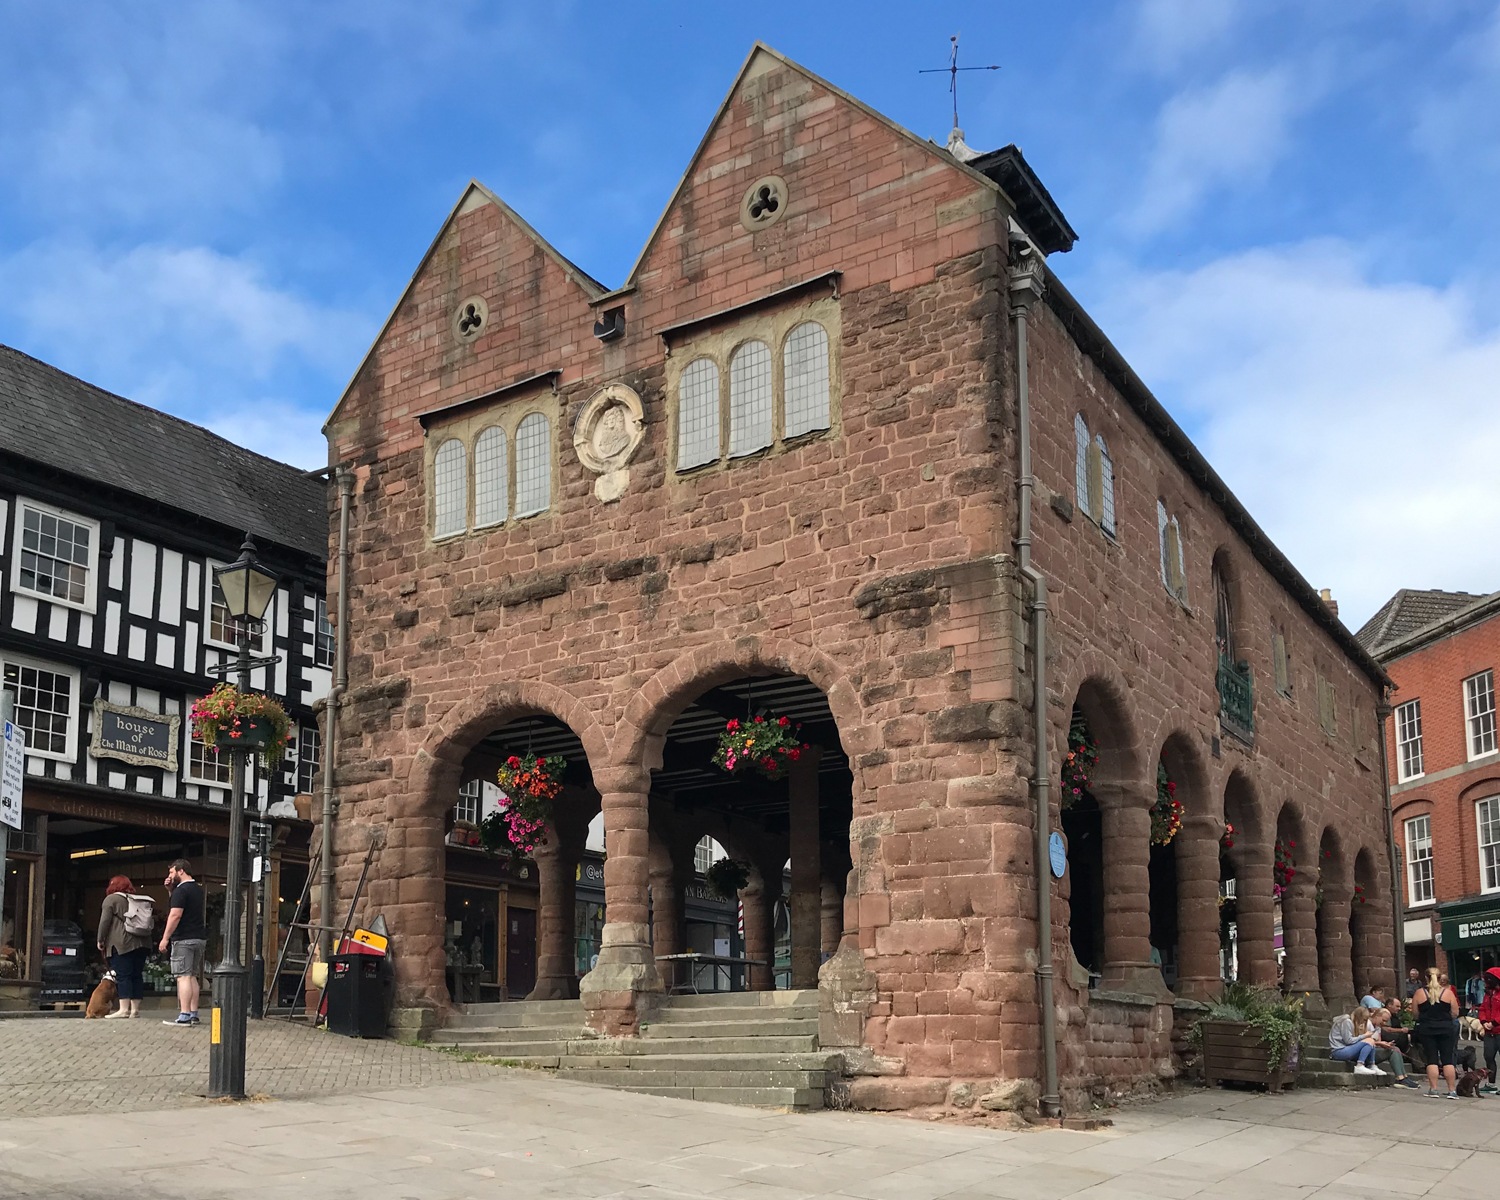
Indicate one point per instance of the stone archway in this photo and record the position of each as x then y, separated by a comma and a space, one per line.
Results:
1185, 874
1370, 931
1247, 860
1333, 898
1295, 885
411, 894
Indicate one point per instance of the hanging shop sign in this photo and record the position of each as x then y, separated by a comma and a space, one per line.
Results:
1470, 925
135, 735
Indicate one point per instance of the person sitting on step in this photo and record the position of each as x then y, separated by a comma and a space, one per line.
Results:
1351, 1039
1388, 1050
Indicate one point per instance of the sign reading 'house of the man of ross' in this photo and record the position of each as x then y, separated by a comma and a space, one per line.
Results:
135, 735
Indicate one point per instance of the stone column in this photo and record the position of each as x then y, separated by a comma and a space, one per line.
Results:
557, 886
625, 980
759, 900
833, 917
1255, 906
1335, 950
666, 898
807, 870
1374, 960
1299, 933
1127, 887
1198, 908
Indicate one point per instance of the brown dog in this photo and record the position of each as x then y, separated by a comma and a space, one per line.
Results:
1468, 1084
102, 1002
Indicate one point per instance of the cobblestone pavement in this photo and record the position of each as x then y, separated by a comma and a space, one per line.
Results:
53, 1066
398, 1123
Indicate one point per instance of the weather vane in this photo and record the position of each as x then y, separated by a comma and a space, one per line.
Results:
952, 70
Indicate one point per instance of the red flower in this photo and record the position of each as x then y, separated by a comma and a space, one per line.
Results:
794, 754
760, 720
732, 726
783, 722
512, 761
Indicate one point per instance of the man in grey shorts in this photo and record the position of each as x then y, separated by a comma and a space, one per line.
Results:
187, 934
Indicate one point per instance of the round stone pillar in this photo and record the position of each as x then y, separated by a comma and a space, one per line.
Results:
833, 916
758, 900
1299, 934
1126, 820
1197, 845
624, 979
1255, 908
1335, 949
807, 870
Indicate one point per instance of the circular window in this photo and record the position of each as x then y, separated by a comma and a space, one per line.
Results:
764, 203
471, 319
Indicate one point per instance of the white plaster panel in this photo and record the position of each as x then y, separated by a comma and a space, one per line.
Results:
166, 650
57, 624
170, 604
23, 615
112, 628
137, 644
142, 578
117, 565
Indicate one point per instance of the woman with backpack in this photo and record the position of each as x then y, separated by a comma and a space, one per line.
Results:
125, 925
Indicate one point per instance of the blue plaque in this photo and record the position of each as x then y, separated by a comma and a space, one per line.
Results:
1058, 854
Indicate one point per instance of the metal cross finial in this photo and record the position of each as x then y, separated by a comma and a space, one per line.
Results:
952, 70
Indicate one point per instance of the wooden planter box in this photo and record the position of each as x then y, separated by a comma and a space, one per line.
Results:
1233, 1050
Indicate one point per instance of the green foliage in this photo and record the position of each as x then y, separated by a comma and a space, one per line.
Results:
728, 877
1279, 1018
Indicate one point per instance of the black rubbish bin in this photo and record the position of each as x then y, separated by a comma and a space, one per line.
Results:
361, 988
64, 975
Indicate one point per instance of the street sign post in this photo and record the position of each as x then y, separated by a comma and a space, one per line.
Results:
12, 774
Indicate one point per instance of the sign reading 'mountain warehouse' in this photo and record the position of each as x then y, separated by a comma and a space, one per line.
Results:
135, 735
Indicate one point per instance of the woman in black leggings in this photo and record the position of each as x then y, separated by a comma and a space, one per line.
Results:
1437, 1030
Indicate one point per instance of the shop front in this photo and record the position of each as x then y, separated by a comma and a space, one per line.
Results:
1470, 936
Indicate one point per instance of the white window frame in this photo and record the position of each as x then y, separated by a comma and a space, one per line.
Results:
1408, 719
260, 645
90, 600
1475, 717
70, 752
1485, 874
1413, 837
187, 761
307, 736
706, 852
320, 620
469, 793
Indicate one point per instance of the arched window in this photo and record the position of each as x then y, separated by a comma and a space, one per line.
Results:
1081, 465
533, 465
698, 414
490, 482
1102, 485
1223, 617
450, 489
749, 399
804, 360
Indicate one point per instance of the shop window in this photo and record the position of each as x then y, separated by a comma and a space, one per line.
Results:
1419, 889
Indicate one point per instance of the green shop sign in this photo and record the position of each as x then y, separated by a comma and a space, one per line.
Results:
1469, 925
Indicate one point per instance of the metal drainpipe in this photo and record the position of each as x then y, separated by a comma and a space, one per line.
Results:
1398, 924
335, 700
1026, 285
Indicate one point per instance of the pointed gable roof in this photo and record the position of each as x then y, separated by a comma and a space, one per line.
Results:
763, 58
475, 195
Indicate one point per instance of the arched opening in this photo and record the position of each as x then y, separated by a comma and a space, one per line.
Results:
1167, 809
1100, 815
1247, 923
756, 764
1293, 875
1232, 674
1369, 926
513, 916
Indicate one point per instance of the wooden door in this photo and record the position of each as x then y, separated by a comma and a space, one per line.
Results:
520, 952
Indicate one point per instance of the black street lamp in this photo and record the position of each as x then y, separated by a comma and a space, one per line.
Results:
247, 588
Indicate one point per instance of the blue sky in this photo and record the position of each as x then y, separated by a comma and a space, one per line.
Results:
1286, 208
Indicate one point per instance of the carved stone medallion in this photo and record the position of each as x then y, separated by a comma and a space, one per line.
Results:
609, 430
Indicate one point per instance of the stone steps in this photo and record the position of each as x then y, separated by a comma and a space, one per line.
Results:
757, 1048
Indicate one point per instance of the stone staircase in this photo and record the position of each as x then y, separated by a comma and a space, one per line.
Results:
1319, 1070
752, 1048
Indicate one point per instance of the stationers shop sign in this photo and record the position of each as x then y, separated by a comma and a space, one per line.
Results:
135, 735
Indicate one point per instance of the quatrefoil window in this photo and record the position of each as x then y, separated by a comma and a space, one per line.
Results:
471, 319
764, 203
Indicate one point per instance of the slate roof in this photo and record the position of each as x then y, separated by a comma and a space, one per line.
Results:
48, 416
1408, 611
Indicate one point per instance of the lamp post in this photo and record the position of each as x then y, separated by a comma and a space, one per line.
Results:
247, 588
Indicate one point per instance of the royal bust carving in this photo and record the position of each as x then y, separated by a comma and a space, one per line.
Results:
609, 430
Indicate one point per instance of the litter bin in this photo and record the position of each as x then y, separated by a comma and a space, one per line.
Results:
64, 976
360, 990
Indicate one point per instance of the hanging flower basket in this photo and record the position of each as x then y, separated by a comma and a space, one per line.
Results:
229, 719
1282, 870
1226, 839
1080, 761
1166, 813
528, 786
768, 744
728, 877
1359, 893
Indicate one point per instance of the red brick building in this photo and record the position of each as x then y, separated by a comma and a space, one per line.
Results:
1441, 650
843, 448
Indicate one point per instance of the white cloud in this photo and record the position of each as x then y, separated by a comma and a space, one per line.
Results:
1225, 135
1355, 419
1167, 32
201, 334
